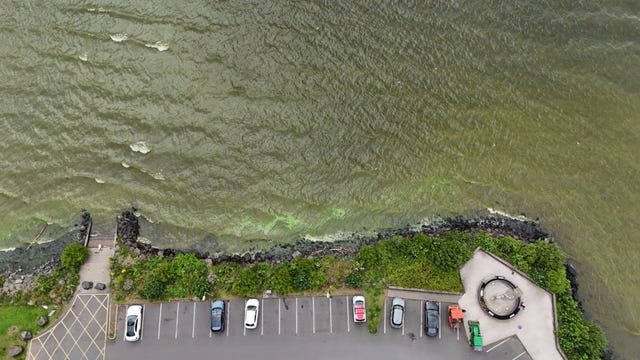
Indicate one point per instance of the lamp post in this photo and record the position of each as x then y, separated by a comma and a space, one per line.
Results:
204, 296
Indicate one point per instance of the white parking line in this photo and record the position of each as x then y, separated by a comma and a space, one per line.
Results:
348, 320
262, 318
193, 331
522, 353
177, 318
313, 313
421, 316
330, 318
296, 316
440, 322
384, 316
228, 316
278, 316
159, 319
498, 344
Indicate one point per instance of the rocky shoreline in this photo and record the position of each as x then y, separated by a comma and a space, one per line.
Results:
496, 226
20, 266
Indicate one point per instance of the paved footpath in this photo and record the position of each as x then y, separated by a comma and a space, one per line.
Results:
81, 333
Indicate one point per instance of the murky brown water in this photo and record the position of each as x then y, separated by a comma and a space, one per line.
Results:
270, 120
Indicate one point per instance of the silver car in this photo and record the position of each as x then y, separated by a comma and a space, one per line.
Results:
397, 312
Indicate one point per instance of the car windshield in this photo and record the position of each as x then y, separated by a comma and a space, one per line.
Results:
359, 303
251, 308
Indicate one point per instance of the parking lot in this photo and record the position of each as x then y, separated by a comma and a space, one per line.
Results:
286, 326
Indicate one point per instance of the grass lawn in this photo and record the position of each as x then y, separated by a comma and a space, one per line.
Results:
25, 318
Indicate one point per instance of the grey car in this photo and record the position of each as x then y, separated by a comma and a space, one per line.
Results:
431, 318
217, 316
397, 312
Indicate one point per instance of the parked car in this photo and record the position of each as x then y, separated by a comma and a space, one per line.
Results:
431, 318
359, 309
217, 316
397, 312
133, 323
251, 308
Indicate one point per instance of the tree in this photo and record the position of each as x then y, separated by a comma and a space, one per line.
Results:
73, 256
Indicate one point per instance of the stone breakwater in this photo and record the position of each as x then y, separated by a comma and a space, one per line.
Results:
496, 226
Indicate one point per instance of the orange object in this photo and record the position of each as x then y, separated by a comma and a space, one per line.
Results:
455, 316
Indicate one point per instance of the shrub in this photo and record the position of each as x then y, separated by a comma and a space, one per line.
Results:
247, 282
280, 279
353, 280
301, 273
190, 274
73, 256
153, 289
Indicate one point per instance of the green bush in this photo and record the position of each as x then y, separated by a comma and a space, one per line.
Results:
189, 275
224, 275
73, 256
353, 280
153, 289
304, 274
247, 282
280, 280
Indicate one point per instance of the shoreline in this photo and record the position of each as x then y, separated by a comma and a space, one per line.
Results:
495, 224
24, 260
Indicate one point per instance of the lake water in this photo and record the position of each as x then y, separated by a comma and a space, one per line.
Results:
229, 121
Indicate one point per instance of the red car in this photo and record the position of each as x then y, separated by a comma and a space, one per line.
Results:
359, 309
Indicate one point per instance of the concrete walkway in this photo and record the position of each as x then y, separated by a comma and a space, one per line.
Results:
535, 327
81, 333
419, 294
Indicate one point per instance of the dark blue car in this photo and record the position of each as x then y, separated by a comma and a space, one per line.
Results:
217, 316
431, 318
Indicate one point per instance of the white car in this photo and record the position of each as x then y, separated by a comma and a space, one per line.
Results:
133, 323
397, 312
251, 308
359, 309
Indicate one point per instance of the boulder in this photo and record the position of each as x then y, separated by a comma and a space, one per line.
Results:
87, 285
26, 335
100, 286
15, 350
42, 320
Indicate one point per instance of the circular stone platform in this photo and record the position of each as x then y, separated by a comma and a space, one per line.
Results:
500, 298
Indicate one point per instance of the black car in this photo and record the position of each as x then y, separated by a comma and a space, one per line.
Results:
431, 318
217, 316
